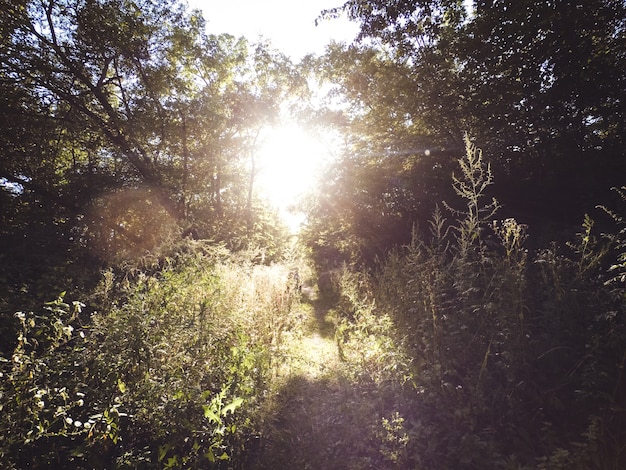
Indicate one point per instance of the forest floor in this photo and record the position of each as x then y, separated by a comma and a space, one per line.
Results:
322, 413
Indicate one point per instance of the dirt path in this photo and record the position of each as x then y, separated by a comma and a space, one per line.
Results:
315, 353
319, 417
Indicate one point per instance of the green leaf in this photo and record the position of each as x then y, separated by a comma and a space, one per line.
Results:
163, 451
232, 406
121, 385
211, 415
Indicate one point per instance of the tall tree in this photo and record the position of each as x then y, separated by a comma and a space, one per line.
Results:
539, 85
123, 122
138, 97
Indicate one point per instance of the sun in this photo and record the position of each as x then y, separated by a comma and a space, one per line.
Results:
290, 158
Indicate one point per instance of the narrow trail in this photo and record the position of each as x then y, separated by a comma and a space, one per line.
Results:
319, 415
317, 349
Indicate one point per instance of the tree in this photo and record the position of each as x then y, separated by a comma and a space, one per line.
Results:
139, 98
538, 84
125, 124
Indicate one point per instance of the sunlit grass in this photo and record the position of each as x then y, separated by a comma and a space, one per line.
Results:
315, 356
306, 351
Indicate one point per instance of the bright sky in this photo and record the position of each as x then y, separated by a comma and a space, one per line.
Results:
291, 159
288, 24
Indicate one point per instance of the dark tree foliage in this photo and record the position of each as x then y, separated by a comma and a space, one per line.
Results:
125, 123
538, 84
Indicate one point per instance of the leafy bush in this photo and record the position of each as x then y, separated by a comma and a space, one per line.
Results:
39, 394
166, 372
515, 358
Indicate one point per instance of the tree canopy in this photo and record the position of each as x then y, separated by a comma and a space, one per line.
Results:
125, 122
538, 84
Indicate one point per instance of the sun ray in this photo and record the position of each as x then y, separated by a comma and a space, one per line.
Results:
290, 159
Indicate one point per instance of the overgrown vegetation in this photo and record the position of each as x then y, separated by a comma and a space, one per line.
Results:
463, 350
439, 310
165, 368
516, 357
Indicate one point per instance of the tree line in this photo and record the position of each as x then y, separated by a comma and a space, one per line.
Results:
125, 123
538, 85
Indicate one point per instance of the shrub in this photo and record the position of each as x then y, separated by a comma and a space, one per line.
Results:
166, 372
502, 342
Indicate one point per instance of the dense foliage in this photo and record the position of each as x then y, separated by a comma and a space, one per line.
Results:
126, 124
167, 372
518, 356
539, 84
456, 307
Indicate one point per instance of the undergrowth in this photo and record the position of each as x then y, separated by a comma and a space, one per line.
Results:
461, 350
516, 357
165, 368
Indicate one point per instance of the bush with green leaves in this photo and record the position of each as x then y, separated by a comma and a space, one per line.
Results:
40, 400
166, 371
516, 357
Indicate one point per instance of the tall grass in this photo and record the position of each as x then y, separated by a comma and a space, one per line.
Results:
461, 350
515, 357
163, 369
